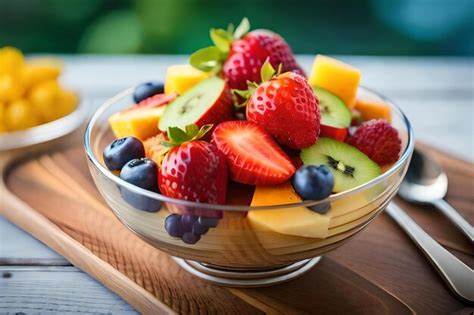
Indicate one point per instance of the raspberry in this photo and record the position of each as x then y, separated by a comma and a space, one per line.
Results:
378, 140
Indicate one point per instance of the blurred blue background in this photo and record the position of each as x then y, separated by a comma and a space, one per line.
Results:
365, 27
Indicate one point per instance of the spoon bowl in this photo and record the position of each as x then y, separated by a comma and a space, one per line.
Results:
426, 183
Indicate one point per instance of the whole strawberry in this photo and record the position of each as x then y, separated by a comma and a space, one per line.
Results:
286, 107
193, 169
378, 140
240, 55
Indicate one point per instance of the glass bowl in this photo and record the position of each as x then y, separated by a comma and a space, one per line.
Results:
239, 251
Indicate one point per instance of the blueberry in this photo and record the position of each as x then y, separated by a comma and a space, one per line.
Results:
141, 202
199, 229
313, 182
146, 90
190, 238
209, 222
122, 150
321, 208
140, 172
187, 221
173, 225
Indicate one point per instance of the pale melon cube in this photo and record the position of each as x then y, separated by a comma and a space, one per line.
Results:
337, 77
180, 78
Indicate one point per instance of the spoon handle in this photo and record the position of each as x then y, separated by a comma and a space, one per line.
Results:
458, 276
455, 218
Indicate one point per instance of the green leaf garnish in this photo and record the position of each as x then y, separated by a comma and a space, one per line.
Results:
267, 71
221, 38
242, 29
207, 59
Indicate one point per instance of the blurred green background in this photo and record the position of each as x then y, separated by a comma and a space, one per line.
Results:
365, 27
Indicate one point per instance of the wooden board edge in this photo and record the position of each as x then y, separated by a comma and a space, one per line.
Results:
26, 218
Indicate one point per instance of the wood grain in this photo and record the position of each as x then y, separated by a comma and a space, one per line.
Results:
378, 272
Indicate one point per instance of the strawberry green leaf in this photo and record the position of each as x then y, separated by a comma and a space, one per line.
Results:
204, 129
230, 28
192, 130
206, 59
267, 71
177, 135
221, 38
242, 29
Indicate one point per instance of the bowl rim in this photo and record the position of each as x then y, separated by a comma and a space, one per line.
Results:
241, 208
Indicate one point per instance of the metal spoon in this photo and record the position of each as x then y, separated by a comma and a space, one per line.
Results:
426, 183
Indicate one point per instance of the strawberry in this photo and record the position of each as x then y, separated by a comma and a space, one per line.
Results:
254, 158
193, 169
378, 140
240, 55
286, 107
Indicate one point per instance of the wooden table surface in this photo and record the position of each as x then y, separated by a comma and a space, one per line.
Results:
436, 93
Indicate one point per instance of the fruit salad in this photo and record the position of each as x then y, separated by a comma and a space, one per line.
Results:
243, 124
30, 93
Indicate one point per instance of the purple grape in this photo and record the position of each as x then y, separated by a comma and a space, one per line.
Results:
209, 222
199, 229
190, 238
187, 221
173, 225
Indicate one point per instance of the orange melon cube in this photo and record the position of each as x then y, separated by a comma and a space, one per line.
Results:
372, 109
337, 77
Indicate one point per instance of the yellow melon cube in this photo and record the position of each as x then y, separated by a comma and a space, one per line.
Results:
139, 123
180, 78
336, 76
297, 221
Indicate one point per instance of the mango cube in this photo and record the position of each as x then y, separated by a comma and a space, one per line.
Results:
372, 109
297, 221
180, 78
339, 78
139, 123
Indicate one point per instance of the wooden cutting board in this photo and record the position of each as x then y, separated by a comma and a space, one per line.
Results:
48, 192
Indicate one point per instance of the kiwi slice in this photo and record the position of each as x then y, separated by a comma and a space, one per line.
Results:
193, 105
349, 166
334, 111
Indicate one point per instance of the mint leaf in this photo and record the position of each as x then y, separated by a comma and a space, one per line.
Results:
206, 59
221, 38
267, 71
192, 130
177, 135
242, 29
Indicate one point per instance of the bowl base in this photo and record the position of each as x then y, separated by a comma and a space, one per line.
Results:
247, 278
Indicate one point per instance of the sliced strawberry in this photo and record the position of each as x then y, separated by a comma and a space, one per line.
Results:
253, 157
340, 134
